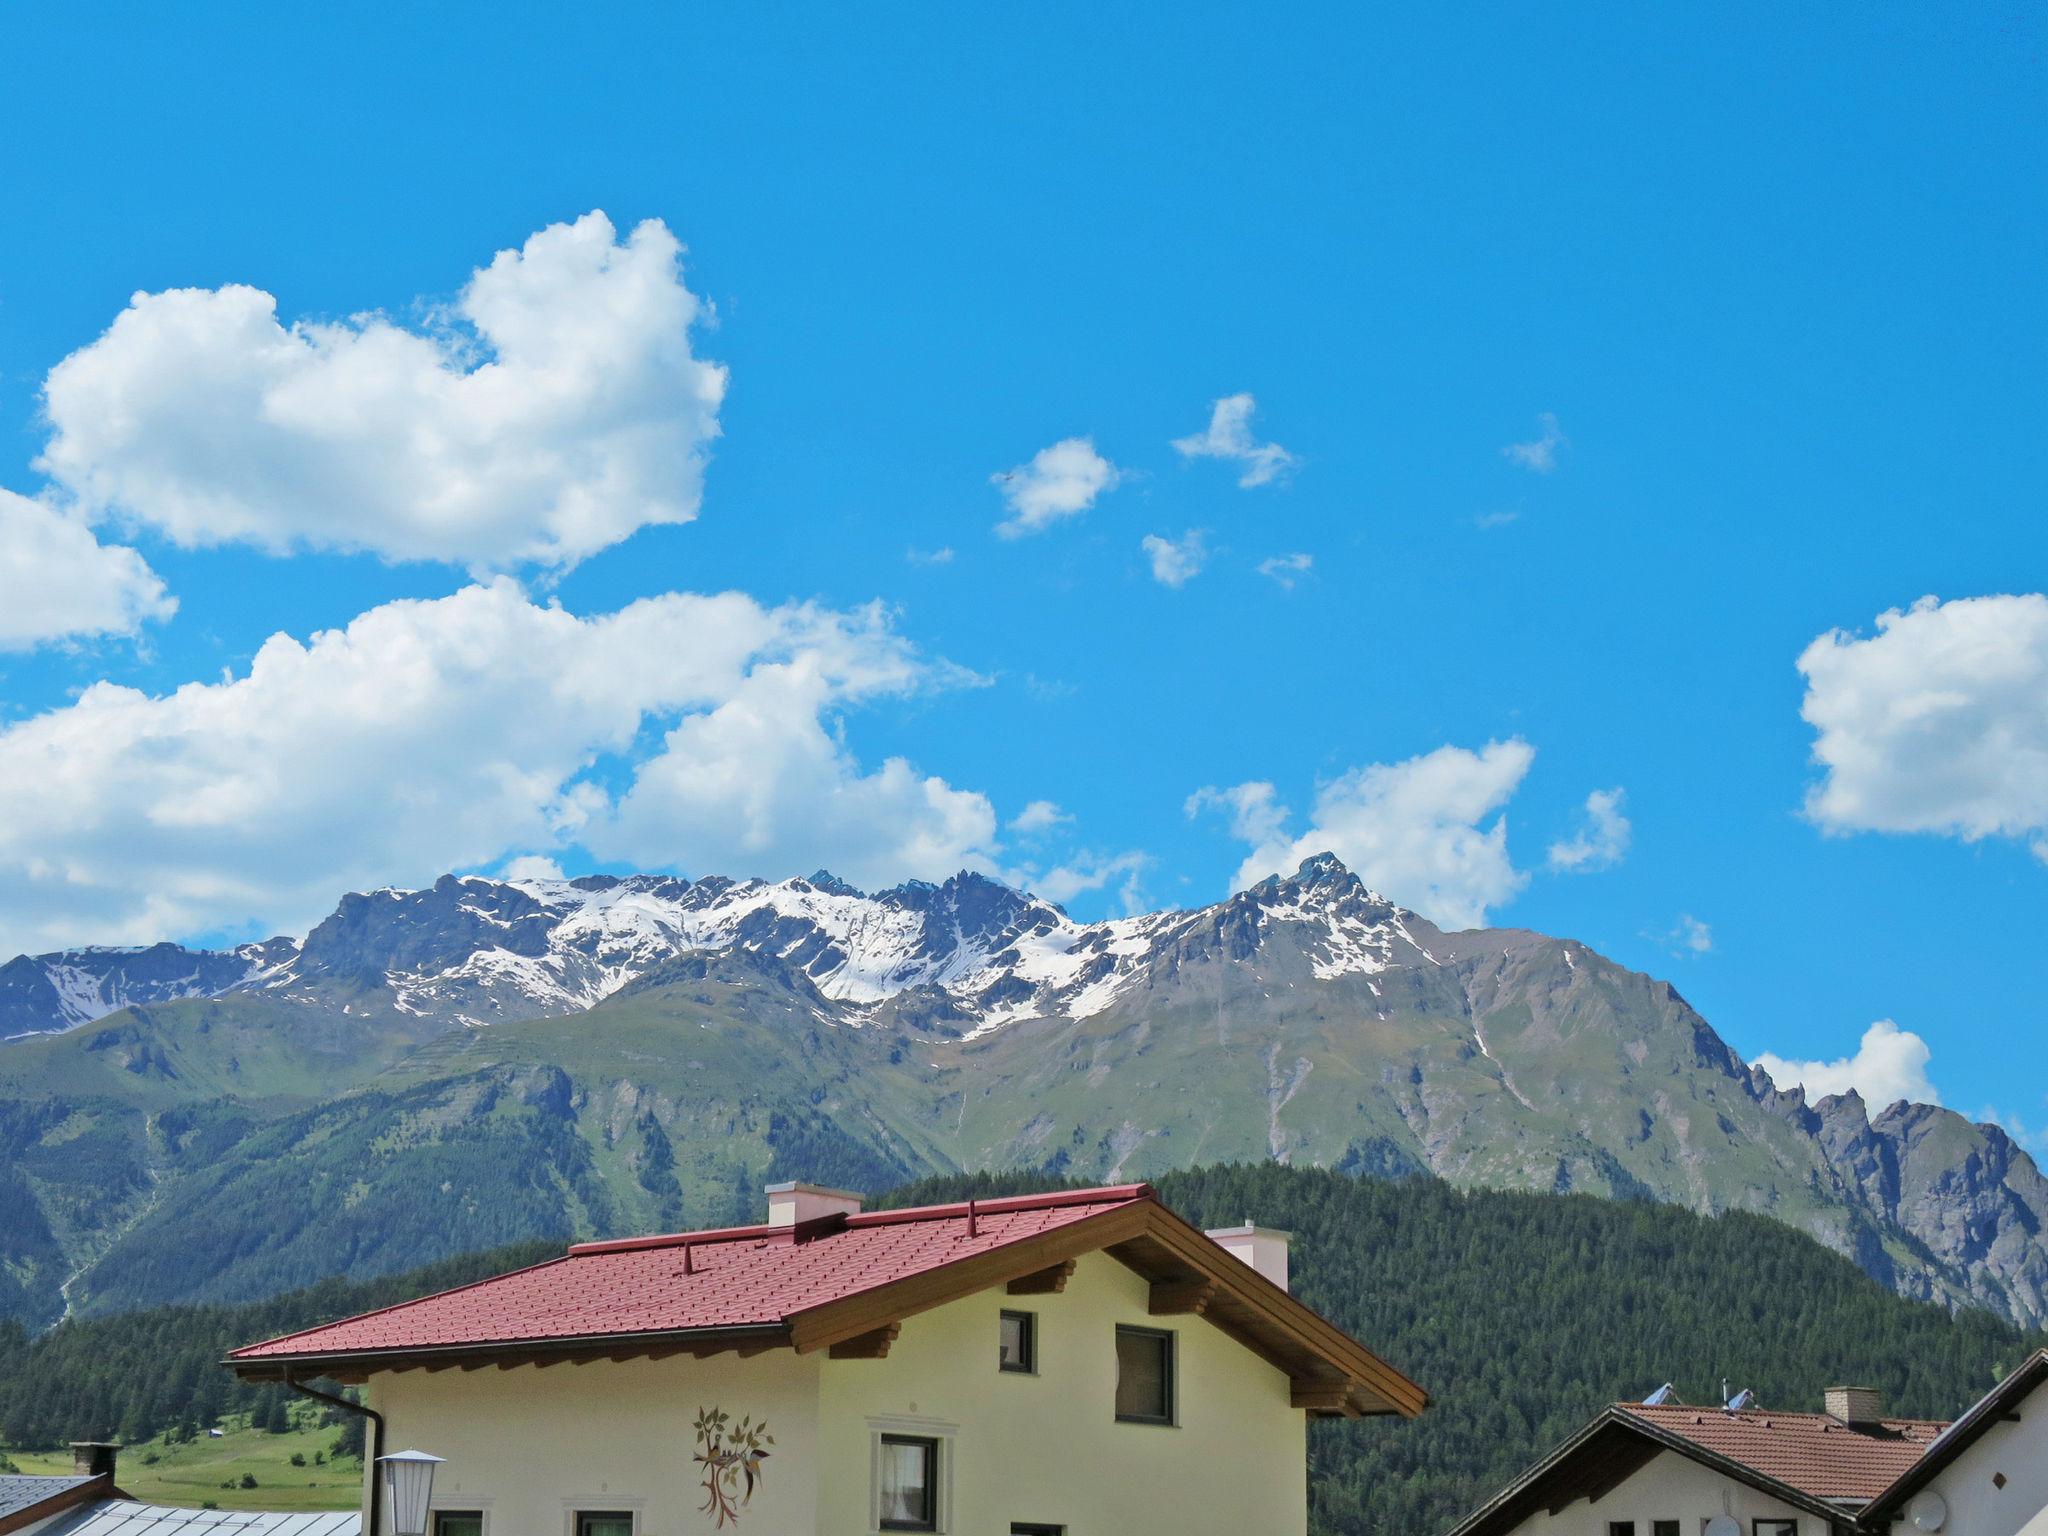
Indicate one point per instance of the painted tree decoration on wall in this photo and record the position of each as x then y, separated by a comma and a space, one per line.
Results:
731, 1456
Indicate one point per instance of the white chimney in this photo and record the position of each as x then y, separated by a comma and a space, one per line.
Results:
1264, 1248
789, 1204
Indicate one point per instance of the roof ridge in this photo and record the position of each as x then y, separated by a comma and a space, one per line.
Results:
1051, 1199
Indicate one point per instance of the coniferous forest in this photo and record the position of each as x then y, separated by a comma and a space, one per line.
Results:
1521, 1313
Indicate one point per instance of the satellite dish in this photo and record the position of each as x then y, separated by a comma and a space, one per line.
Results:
1724, 1525
1926, 1511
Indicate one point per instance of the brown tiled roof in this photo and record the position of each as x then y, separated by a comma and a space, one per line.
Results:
1814, 1452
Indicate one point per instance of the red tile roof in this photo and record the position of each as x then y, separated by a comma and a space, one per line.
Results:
736, 1277
1815, 1453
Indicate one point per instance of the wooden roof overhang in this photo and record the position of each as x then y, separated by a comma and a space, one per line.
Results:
356, 1367
1190, 1275
1603, 1456
1333, 1375
1997, 1406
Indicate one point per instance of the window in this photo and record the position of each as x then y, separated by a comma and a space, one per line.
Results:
1663, 1528
1019, 1528
603, 1523
910, 1483
458, 1522
1020, 1341
1775, 1527
1144, 1376
1621, 1528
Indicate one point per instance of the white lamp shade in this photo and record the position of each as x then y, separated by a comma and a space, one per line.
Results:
409, 1486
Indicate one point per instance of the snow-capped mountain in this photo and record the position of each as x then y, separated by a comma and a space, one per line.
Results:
603, 1050
479, 951
45, 994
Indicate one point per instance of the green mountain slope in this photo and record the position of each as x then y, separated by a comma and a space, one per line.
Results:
227, 1147
1522, 1313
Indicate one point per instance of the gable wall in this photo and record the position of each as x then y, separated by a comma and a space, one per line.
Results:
1670, 1487
1046, 1448
1976, 1506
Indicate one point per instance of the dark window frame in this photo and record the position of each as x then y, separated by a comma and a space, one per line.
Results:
1169, 1374
583, 1516
1667, 1528
1621, 1528
929, 1520
457, 1514
1035, 1528
1029, 1365
1774, 1525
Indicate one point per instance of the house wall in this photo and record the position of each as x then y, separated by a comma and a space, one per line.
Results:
530, 1446
1976, 1505
1046, 1448
1671, 1487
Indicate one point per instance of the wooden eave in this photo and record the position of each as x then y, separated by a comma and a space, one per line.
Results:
1333, 1374
353, 1368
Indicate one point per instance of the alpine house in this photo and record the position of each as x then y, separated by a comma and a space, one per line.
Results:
1078, 1362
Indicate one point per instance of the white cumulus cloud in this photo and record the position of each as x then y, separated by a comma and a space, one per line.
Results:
58, 581
1601, 842
1229, 436
1040, 816
450, 733
1058, 482
1176, 562
1937, 723
1428, 832
1286, 570
556, 408
1540, 452
1890, 1064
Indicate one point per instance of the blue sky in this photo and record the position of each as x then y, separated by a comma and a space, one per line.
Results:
1760, 287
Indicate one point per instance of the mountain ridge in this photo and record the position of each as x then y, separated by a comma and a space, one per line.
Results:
629, 1049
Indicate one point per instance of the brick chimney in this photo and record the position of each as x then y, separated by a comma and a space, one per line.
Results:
789, 1204
94, 1458
1858, 1406
1264, 1248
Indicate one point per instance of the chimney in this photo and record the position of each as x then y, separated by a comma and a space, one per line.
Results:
789, 1204
1264, 1248
1857, 1406
94, 1458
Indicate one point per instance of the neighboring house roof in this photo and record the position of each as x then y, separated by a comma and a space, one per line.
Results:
1990, 1409
1812, 1461
844, 1282
25, 1500
121, 1517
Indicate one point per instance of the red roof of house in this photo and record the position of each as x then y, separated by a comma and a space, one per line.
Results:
1814, 1452
735, 1277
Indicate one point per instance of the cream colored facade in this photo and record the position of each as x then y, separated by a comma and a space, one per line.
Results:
1671, 1487
530, 1447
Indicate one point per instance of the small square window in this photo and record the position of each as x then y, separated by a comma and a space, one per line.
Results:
1663, 1528
1020, 1341
610, 1522
909, 1483
1775, 1527
1621, 1528
458, 1522
1144, 1376
1022, 1528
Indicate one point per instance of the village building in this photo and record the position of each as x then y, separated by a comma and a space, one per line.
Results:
1079, 1362
88, 1503
1664, 1468
1986, 1474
